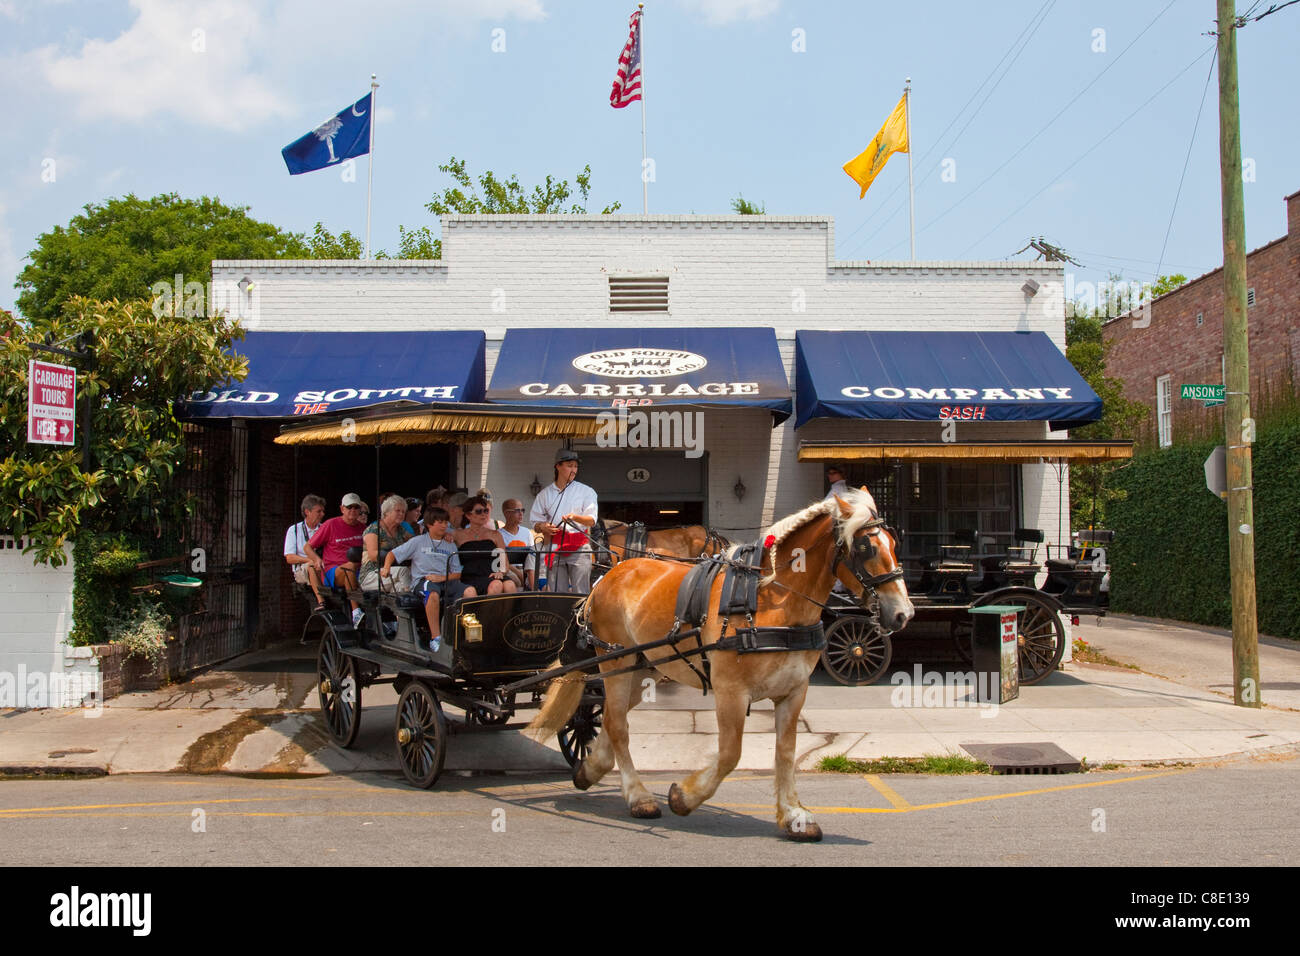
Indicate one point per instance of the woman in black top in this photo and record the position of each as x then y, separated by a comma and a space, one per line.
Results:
479, 544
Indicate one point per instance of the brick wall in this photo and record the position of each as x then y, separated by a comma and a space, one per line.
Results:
553, 271
1175, 345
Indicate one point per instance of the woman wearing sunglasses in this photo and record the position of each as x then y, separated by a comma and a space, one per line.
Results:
483, 553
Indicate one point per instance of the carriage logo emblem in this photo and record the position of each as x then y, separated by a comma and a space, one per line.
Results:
639, 363
535, 632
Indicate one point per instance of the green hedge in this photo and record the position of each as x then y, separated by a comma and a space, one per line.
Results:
1170, 554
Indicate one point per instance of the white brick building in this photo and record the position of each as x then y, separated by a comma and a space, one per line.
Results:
554, 272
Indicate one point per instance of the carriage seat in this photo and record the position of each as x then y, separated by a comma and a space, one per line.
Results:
956, 556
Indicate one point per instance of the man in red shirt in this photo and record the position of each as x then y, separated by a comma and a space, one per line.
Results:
332, 540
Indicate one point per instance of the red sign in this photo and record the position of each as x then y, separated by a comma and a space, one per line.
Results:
1009, 627
51, 403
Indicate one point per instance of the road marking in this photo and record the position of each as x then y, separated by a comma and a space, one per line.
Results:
911, 808
886, 791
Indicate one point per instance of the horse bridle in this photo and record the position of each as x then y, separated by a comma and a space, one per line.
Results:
862, 549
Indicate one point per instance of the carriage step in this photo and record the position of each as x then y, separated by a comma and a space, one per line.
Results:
1024, 758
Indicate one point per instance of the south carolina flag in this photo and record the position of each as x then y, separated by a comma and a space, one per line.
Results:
892, 138
340, 137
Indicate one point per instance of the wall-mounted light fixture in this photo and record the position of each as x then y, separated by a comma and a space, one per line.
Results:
1030, 288
739, 489
246, 284
535, 487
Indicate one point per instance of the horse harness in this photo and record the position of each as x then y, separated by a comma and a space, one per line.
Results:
739, 595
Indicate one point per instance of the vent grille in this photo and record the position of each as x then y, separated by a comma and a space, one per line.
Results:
638, 293
1250, 298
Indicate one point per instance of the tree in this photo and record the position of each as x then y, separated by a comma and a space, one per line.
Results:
322, 244
743, 207
508, 196
143, 362
1091, 487
119, 248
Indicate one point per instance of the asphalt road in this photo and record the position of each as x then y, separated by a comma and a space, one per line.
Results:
1151, 817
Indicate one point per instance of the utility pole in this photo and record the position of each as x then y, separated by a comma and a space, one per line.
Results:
1238, 426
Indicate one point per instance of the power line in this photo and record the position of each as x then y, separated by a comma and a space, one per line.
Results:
1049, 123
956, 116
1186, 161
1089, 150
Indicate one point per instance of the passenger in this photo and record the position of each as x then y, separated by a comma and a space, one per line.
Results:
305, 571
487, 496
384, 535
483, 553
330, 544
519, 538
563, 512
456, 508
434, 565
412, 523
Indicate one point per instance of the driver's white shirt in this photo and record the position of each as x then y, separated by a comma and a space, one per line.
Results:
552, 504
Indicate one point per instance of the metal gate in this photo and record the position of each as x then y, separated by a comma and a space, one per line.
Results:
219, 624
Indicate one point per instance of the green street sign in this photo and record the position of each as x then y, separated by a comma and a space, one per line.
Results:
1204, 393
1210, 395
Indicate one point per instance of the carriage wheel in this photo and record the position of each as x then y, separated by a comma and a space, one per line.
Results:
577, 736
339, 690
857, 651
421, 734
1042, 639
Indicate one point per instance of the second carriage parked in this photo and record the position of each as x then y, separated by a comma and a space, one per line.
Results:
858, 651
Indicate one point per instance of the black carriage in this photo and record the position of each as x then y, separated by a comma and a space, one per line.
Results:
858, 651
486, 643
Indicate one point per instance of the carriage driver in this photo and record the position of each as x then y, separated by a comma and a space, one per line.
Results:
563, 513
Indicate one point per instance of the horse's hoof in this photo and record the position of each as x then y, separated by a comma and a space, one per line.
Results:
646, 810
677, 801
806, 833
579, 780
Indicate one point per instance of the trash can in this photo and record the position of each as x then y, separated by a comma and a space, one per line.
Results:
995, 652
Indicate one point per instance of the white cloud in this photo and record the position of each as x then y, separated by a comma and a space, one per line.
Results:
719, 12
223, 63
189, 59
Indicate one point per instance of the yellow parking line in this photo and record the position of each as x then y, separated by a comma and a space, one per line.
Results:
904, 807
886, 791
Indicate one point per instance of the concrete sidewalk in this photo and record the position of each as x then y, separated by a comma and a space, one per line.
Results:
258, 714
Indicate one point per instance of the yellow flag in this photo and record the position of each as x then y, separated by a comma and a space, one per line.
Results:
892, 138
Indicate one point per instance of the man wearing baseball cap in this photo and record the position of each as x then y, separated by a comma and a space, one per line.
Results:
332, 540
563, 513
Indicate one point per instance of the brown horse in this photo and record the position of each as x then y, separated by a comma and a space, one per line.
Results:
635, 604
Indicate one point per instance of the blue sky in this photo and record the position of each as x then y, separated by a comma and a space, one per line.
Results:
768, 98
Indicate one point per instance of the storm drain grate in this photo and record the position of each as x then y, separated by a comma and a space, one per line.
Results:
1025, 758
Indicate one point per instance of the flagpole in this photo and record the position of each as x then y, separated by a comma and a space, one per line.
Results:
911, 202
370, 165
645, 187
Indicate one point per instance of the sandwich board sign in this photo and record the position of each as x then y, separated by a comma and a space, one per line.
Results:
51, 403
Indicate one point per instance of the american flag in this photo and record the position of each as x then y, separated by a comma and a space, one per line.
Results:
627, 84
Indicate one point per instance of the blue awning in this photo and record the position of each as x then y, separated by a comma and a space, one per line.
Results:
929, 376
307, 373
603, 368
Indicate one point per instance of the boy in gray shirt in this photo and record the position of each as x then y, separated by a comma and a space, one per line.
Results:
435, 567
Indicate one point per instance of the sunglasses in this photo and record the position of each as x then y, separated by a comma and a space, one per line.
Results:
481, 511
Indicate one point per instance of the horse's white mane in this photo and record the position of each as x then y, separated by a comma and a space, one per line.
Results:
860, 500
